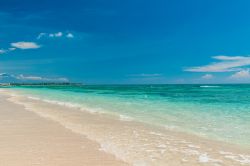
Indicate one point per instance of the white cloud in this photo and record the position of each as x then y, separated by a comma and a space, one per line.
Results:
62, 79
51, 35
25, 45
227, 64
41, 35
34, 78
241, 74
223, 57
70, 35
12, 49
31, 78
2, 51
145, 75
207, 76
55, 35
38, 78
4, 75
58, 34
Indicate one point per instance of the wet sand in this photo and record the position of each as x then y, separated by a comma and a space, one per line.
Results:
28, 140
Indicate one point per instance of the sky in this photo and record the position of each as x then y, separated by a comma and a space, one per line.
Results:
125, 42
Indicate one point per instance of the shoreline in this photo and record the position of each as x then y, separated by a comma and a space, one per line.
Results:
137, 143
27, 139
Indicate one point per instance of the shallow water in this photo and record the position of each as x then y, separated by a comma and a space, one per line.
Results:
219, 112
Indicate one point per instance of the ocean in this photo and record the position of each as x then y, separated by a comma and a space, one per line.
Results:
217, 112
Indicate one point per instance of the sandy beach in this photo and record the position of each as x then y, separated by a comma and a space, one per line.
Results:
37, 132
138, 83
29, 140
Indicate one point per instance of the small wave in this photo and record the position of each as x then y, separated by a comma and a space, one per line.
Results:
204, 158
209, 86
243, 159
33, 98
78, 106
66, 104
125, 118
170, 127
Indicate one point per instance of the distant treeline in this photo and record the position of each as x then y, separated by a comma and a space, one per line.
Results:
40, 84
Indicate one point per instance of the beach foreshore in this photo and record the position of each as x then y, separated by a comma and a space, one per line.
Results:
29, 140
37, 132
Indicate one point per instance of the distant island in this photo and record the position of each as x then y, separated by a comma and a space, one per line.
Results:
41, 84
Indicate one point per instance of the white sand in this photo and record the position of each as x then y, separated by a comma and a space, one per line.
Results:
29, 140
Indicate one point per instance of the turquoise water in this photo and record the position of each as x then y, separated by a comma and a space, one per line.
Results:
220, 112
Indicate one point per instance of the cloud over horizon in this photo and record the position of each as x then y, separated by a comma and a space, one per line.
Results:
225, 64
32, 78
243, 74
38, 78
207, 76
2, 75
145, 75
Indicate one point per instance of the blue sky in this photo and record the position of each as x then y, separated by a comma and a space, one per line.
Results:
125, 42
